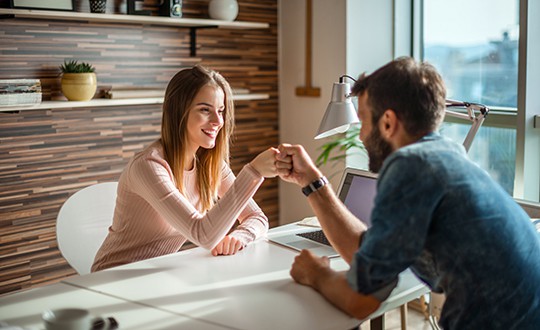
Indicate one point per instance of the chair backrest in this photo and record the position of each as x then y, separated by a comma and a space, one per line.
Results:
82, 224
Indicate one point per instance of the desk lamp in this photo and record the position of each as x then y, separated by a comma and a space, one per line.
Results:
341, 113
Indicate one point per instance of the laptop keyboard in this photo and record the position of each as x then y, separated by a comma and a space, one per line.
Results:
317, 236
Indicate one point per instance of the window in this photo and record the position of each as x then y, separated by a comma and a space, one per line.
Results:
474, 44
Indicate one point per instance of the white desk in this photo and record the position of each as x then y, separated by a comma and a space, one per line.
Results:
24, 309
250, 290
409, 286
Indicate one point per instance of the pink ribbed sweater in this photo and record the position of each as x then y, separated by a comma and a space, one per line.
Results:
153, 218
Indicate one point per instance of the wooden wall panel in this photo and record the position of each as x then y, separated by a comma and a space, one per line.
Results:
47, 155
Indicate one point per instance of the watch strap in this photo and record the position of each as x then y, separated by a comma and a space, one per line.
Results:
315, 185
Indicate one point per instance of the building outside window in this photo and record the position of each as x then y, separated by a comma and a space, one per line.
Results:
475, 46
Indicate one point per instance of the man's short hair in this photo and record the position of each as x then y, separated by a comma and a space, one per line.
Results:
414, 91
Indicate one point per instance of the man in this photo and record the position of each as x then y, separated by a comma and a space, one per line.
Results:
435, 212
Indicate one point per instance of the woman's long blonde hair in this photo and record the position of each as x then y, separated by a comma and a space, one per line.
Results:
179, 95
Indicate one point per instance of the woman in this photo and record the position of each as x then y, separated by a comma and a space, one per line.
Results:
169, 192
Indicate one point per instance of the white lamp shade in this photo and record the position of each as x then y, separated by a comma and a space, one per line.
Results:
339, 114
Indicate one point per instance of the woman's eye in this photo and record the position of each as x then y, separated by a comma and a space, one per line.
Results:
205, 110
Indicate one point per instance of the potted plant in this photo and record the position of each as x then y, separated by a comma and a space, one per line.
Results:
340, 144
79, 82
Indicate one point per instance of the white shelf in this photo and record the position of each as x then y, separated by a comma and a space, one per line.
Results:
124, 19
98, 103
131, 19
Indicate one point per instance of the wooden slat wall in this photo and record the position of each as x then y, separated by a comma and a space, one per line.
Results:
47, 155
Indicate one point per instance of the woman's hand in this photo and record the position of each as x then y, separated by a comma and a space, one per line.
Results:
228, 246
265, 163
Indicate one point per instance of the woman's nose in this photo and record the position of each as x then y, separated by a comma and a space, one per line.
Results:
216, 119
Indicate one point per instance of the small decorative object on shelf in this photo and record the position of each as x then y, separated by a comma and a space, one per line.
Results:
134, 8
20, 92
98, 6
170, 8
66, 5
79, 82
225, 10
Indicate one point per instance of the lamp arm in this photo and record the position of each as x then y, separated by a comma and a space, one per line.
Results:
472, 133
477, 120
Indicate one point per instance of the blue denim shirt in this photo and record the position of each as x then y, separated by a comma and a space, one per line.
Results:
459, 231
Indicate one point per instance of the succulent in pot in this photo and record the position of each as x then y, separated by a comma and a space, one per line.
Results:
79, 82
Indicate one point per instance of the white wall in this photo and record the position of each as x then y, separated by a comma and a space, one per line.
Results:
369, 35
348, 37
300, 116
369, 45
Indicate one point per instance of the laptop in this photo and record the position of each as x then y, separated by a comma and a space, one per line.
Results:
357, 191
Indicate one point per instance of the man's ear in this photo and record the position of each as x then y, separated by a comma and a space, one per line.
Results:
388, 124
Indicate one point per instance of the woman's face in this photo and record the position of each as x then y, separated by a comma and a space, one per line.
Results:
205, 118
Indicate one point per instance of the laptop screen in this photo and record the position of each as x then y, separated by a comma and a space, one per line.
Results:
357, 191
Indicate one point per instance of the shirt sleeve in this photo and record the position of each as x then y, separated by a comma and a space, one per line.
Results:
253, 222
151, 179
407, 194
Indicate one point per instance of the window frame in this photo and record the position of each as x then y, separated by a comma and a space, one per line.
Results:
408, 41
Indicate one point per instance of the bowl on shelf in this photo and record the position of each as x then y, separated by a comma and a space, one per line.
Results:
225, 10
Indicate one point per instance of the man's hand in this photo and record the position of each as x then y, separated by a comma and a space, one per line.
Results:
315, 272
228, 246
294, 165
307, 269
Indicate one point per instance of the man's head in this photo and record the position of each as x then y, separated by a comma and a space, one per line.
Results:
398, 104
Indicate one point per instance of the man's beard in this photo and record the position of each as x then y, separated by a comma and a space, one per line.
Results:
377, 148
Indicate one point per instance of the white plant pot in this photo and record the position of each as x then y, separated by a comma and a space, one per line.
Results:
225, 10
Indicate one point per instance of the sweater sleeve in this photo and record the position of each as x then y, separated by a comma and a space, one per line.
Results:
253, 222
152, 180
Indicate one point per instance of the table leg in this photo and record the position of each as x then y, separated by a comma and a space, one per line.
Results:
403, 310
377, 323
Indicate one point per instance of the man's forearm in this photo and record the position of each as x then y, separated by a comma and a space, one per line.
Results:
333, 287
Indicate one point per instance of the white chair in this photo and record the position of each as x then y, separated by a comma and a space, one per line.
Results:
82, 224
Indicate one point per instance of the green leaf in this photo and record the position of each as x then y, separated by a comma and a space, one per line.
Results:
340, 144
73, 66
